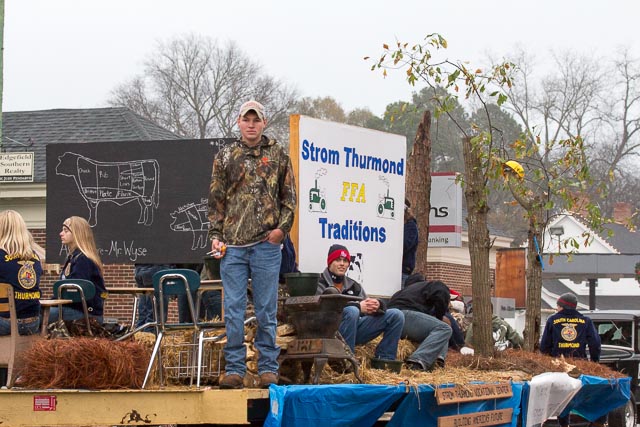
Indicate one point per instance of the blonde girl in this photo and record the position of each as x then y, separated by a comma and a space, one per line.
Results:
83, 262
20, 267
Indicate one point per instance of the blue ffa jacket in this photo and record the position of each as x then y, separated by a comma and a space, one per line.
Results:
24, 276
569, 333
78, 266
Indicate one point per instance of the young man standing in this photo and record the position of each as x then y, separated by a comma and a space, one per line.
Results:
252, 202
569, 333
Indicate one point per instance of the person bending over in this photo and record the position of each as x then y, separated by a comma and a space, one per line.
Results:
424, 305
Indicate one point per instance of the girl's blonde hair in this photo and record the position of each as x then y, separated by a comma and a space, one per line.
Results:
15, 238
83, 239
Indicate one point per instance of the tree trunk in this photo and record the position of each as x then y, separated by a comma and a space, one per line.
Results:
418, 187
534, 281
479, 245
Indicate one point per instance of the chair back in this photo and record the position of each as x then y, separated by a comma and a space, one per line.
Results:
5, 289
175, 282
13, 344
74, 289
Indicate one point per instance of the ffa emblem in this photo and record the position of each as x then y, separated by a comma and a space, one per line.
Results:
27, 275
569, 332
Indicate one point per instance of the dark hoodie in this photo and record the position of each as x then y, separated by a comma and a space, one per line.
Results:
426, 297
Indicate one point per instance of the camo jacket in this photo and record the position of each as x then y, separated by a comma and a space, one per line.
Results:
252, 192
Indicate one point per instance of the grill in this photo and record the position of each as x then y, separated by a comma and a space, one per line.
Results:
316, 319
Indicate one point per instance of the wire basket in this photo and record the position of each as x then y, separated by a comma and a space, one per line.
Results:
180, 360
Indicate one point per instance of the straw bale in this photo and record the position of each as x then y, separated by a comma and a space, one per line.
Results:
85, 363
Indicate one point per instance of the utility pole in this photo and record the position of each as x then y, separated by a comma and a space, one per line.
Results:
1, 65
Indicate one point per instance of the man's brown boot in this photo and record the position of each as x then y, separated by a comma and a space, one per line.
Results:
232, 381
267, 379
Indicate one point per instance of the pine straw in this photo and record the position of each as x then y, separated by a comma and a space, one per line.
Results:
84, 363
516, 365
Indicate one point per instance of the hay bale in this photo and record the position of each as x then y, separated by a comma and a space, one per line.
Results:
84, 363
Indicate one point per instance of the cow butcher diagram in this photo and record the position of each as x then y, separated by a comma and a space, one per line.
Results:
192, 217
116, 182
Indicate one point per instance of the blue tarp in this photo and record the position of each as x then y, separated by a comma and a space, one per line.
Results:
358, 405
598, 396
361, 405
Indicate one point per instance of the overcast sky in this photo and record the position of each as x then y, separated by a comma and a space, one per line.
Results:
72, 53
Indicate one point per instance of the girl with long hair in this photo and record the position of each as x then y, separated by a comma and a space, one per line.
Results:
83, 262
19, 266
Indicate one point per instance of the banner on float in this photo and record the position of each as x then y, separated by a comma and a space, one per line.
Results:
351, 192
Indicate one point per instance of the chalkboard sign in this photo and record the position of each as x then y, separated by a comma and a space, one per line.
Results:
145, 200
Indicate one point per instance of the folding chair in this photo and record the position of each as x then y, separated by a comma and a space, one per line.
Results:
13, 344
169, 283
76, 290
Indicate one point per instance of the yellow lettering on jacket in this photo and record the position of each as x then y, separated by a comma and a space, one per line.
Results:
27, 295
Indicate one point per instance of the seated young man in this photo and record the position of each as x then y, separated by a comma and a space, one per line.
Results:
363, 320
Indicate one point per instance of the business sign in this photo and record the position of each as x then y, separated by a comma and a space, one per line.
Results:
351, 192
445, 216
16, 167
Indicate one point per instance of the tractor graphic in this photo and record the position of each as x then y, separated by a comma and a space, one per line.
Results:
386, 206
316, 201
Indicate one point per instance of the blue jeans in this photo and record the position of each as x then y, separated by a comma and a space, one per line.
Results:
31, 327
69, 314
403, 279
432, 334
144, 279
356, 329
262, 261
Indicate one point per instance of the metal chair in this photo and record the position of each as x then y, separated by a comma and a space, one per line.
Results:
170, 283
76, 290
13, 344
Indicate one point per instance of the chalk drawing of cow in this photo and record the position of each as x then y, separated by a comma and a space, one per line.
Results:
192, 217
116, 182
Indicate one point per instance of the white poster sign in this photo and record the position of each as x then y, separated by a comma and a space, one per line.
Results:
351, 192
445, 216
549, 394
16, 167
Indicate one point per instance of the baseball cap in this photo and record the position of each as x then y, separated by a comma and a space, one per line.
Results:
252, 105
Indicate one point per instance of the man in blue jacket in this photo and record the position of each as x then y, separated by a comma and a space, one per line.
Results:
569, 333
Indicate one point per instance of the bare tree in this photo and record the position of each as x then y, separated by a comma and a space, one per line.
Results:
194, 87
615, 156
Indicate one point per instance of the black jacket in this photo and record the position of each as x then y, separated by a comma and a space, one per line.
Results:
349, 287
81, 267
426, 297
410, 246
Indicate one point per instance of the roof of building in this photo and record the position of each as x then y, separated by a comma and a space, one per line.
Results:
33, 130
624, 298
626, 241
